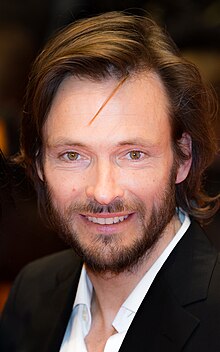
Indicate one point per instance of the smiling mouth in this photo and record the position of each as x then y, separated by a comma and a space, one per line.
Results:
107, 221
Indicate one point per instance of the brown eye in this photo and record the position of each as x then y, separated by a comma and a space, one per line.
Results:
135, 154
72, 155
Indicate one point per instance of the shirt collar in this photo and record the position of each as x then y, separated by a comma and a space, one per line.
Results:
84, 291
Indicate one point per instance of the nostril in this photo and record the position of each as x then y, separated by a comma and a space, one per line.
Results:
104, 195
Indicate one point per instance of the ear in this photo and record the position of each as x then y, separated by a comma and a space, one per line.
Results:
39, 171
183, 169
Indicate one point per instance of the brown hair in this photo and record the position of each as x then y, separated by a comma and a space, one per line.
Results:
117, 44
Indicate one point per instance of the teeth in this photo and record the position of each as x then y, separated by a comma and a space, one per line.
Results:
107, 221
116, 219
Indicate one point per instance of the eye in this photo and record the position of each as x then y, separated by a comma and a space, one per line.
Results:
133, 158
72, 156
135, 154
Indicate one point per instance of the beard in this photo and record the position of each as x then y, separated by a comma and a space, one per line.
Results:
106, 253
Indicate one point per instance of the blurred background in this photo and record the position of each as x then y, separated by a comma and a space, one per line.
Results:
25, 25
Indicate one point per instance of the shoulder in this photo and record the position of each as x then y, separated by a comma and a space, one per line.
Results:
42, 293
198, 238
46, 272
60, 261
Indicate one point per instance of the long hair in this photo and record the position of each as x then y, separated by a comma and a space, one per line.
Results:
118, 44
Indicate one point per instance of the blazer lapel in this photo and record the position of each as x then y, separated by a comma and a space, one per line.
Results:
60, 308
163, 322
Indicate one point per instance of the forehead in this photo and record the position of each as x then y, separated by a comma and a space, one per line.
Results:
139, 107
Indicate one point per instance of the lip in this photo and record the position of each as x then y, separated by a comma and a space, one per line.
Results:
105, 215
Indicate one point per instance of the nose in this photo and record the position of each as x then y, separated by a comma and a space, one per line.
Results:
104, 186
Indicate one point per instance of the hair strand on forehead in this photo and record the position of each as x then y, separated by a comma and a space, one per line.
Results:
108, 99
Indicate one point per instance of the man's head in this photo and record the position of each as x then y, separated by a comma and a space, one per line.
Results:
117, 121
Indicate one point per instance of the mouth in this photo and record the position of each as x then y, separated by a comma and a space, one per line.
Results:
106, 219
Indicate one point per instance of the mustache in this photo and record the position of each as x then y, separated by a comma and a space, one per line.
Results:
116, 206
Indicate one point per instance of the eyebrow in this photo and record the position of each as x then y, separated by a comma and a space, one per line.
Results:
60, 142
138, 141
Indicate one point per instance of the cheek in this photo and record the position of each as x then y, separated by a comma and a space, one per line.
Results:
148, 185
140, 184
63, 187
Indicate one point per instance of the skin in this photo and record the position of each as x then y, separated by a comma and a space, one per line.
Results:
124, 154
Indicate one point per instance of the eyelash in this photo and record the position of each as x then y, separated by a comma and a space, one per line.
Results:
140, 154
65, 156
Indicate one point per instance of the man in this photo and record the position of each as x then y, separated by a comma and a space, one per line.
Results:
116, 134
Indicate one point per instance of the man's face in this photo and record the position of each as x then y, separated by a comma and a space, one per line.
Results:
110, 183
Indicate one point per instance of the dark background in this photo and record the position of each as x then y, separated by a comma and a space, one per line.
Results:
25, 25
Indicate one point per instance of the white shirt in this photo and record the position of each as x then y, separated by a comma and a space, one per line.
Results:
80, 320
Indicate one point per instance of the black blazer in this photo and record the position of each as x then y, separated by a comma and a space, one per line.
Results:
181, 311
